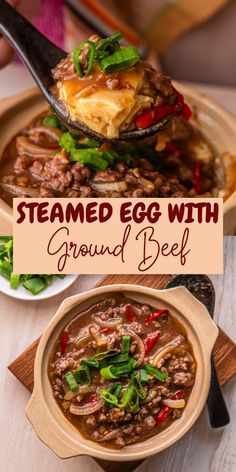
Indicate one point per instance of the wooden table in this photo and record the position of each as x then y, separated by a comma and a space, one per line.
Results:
201, 450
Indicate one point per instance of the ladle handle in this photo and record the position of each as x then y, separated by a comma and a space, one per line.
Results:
202, 288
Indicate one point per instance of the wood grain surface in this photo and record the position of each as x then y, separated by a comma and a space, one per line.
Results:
224, 353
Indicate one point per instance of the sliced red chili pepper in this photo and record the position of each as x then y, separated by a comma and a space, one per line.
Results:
150, 341
155, 114
156, 314
163, 413
165, 110
166, 410
172, 148
105, 330
178, 395
92, 398
145, 119
129, 313
53, 147
63, 342
197, 180
179, 96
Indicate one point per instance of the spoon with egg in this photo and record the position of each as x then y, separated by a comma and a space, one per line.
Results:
102, 89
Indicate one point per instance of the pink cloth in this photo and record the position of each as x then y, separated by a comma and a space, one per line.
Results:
50, 20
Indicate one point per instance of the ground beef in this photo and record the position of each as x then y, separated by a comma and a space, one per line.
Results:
183, 379
46, 190
149, 422
22, 163
80, 172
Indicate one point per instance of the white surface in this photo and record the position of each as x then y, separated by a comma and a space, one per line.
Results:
57, 286
201, 450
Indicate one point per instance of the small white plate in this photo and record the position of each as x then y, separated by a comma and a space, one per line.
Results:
57, 286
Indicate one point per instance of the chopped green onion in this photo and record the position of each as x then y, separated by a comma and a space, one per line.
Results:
90, 143
67, 142
125, 344
120, 358
92, 363
110, 155
127, 397
71, 381
90, 58
108, 397
117, 389
123, 369
14, 281
51, 121
4, 270
82, 375
140, 390
95, 361
134, 401
35, 285
121, 59
90, 157
155, 372
143, 376
102, 44
106, 373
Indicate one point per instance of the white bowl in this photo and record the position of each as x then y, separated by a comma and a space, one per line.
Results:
57, 286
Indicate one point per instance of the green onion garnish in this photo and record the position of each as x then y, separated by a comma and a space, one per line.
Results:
35, 285
51, 121
71, 381
90, 157
95, 361
103, 44
120, 358
120, 60
90, 58
82, 375
125, 344
143, 376
155, 372
107, 373
14, 281
140, 390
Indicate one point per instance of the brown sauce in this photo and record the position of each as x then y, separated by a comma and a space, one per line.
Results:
33, 160
90, 333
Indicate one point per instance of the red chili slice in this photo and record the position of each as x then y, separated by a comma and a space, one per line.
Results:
145, 119
154, 115
166, 410
129, 314
156, 314
150, 341
63, 342
53, 147
105, 330
92, 398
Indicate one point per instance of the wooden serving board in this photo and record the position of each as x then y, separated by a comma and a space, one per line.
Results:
224, 354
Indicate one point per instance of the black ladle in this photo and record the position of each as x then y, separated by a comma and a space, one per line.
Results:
40, 56
202, 288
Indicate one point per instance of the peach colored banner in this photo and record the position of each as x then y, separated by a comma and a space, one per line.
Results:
122, 236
